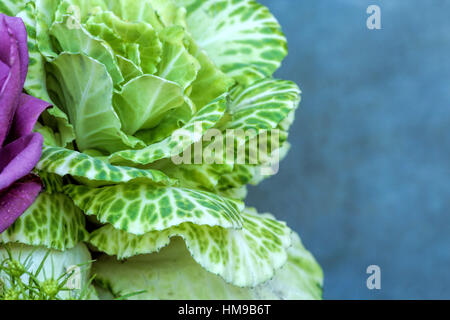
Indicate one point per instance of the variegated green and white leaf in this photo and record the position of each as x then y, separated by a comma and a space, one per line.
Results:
63, 162
240, 176
211, 82
259, 113
286, 124
124, 245
139, 208
174, 274
202, 176
263, 105
301, 278
241, 37
243, 174
173, 120
244, 257
239, 193
181, 139
52, 221
52, 183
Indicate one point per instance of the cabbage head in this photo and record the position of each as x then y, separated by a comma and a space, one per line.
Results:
135, 84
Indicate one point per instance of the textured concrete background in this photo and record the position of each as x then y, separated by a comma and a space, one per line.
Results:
367, 180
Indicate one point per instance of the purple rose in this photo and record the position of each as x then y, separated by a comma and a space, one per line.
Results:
20, 148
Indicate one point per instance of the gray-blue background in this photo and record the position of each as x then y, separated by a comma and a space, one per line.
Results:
367, 179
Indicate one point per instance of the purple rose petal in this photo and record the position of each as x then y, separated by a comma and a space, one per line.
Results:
28, 112
9, 96
13, 31
4, 72
20, 149
18, 158
15, 200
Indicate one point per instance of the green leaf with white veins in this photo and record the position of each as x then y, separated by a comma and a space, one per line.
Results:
211, 82
180, 139
243, 174
139, 208
263, 105
172, 121
137, 35
301, 278
241, 37
68, 162
134, 11
52, 221
145, 100
52, 183
235, 193
244, 257
202, 176
177, 64
78, 40
174, 274
128, 68
84, 87
256, 111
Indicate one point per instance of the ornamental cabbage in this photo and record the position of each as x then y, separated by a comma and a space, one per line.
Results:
135, 84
